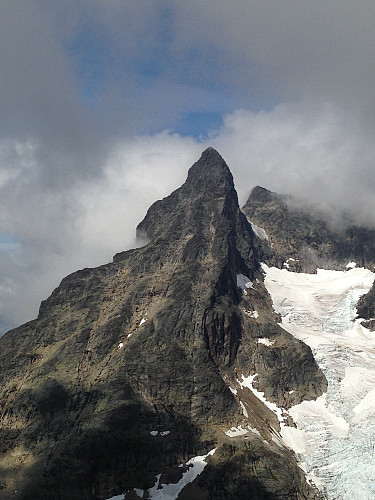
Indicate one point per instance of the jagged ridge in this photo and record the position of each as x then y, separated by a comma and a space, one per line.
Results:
306, 236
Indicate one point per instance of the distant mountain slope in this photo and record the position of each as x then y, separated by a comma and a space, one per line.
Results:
294, 237
133, 368
304, 236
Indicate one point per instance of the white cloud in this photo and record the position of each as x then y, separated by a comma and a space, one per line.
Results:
136, 174
289, 149
303, 151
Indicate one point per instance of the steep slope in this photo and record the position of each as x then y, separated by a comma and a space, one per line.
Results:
126, 372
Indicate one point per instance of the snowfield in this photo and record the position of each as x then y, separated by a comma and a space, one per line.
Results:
335, 435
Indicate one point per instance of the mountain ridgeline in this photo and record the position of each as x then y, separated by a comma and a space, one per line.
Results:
307, 237
134, 367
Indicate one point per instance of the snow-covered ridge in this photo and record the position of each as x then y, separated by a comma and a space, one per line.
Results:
336, 433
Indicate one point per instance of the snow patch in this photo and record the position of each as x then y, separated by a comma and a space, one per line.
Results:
143, 320
259, 231
121, 345
243, 282
351, 265
266, 341
244, 411
251, 314
171, 491
241, 431
236, 431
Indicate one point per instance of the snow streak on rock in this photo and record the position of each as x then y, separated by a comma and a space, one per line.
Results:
337, 445
171, 491
259, 231
244, 282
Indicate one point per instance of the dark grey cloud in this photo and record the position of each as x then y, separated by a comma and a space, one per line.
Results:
39, 99
318, 50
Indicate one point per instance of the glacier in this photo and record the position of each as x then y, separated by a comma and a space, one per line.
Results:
335, 436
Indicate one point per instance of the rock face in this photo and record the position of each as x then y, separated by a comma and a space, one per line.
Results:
125, 374
303, 236
366, 309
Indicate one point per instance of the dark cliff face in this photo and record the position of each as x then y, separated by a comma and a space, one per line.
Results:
151, 342
366, 309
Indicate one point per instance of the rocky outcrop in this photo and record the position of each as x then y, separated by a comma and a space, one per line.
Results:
126, 372
304, 239
366, 309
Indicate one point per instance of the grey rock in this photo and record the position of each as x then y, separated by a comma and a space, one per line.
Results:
306, 235
151, 342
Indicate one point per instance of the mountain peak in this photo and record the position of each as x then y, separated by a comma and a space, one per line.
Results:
261, 194
210, 170
211, 152
131, 369
209, 188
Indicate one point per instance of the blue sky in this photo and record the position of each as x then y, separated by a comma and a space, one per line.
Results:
188, 82
104, 105
100, 64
